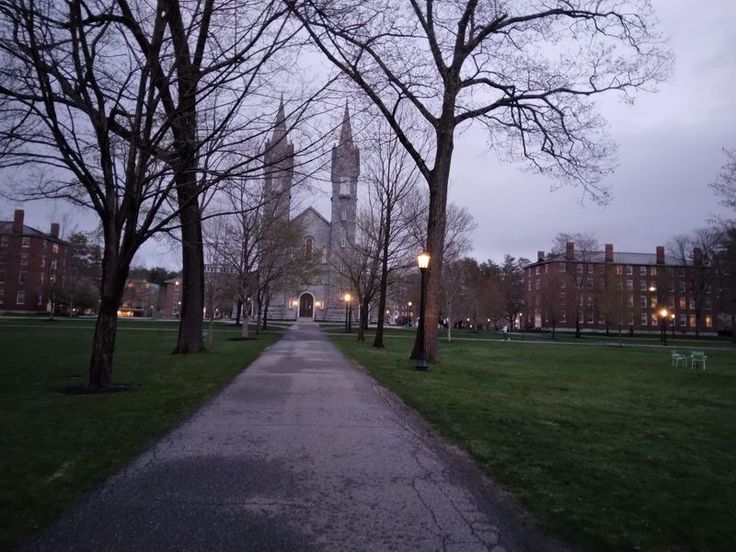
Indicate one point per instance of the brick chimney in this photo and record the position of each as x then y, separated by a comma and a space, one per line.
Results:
18, 221
540, 256
609, 252
570, 251
660, 254
697, 256
55, 229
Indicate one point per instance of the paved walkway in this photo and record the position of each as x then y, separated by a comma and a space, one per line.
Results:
302, 451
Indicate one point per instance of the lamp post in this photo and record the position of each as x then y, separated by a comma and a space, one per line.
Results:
423, 262
672, 319
663, 315
347, 298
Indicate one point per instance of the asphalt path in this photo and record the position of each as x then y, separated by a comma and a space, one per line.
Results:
301, 452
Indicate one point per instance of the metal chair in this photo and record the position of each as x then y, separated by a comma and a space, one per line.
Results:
677, 358
698, 359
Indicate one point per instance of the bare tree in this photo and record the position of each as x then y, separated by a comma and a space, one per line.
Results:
527, 70
552, 297
725, 183
698, 253
615, 304
392, 180
579, 251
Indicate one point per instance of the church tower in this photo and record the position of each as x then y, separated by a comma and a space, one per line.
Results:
345, 172
278, 158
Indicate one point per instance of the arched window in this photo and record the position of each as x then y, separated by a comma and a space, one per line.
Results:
308, 247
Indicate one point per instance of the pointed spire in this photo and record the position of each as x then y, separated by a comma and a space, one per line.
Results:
279, 126
346, 133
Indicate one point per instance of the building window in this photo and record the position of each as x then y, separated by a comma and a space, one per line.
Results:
43, 261
25, 243
323, 255
24, 259
308, 247
344, 215
590, 269
682, 303
643, 270
629, 270
653, 271
619, 270
683, 286
344, 187
22, 277
343, 242
708, 321
562, 284
629, 284
2, 296
53, 265
644, 319
546, 269
691, 304
20, 298
642, 285
589, 284
537, 271
55, 248
563, 267
4, 240
683, 321
579, 269
691, 320
2, 276
630, 300
590, 317
654, 319
43, 278
643, 302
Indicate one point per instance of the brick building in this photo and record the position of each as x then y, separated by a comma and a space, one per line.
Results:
33, 266
605, 290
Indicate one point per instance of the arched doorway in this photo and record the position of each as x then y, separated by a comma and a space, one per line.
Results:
306, 306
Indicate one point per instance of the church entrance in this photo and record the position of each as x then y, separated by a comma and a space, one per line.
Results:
306, 306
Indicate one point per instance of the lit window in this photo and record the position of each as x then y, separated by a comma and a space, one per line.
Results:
691, 320
708, 321
20, 298
682, 303
25, 242
654, 319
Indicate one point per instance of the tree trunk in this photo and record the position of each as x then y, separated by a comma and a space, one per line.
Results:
238, 311
554, 331
436, 226
378, 340
192, 291
265, 310
103, 342
577, 325
363, 322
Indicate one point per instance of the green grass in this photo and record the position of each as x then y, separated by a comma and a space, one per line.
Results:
610, 448
56, 446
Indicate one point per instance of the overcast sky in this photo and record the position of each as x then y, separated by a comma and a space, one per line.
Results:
670, 148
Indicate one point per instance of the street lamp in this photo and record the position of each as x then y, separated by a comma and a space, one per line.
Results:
347, 299
672, 319
663, 315
423, 262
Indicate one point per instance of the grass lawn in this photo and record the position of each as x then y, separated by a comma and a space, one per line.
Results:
56, 446
610, 448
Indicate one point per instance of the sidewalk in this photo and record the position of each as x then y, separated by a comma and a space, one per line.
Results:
302, 451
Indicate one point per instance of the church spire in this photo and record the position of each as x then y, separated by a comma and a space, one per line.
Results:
346, 133
279, 126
